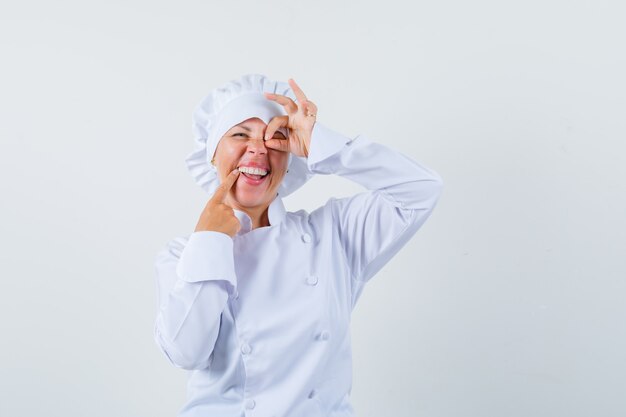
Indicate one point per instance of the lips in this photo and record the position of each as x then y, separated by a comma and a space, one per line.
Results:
251, 164
253, 179
253, 173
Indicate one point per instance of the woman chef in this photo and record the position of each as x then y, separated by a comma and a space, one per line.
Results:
257, 300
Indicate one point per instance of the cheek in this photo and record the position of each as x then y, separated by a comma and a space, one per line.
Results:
280, 164
227, 155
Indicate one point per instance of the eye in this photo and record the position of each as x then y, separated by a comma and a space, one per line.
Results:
241, 135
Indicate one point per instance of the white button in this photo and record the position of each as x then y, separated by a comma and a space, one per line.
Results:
306, 238
246, 349
312, 393
311, 280
324, 335
250, 404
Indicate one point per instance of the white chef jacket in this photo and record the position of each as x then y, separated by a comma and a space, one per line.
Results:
262, 319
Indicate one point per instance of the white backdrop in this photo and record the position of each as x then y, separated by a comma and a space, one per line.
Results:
508, 302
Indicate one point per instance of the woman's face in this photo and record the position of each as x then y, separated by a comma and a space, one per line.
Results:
243, 147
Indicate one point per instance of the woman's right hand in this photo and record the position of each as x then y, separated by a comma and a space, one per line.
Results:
217, 216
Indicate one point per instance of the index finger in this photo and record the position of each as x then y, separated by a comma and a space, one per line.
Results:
298, 91
222, 190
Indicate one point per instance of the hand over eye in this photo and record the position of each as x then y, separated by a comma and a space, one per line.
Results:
300, 120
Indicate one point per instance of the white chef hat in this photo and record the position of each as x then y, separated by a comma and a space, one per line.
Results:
231, 104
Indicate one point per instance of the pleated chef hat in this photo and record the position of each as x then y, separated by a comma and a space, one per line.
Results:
231, 104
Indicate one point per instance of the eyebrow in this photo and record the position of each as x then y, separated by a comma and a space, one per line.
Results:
244, 128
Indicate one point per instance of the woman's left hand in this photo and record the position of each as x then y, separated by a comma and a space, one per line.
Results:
299, 120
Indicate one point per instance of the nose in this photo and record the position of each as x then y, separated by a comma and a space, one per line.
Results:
257, 146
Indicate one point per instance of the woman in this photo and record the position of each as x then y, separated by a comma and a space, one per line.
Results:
257, 300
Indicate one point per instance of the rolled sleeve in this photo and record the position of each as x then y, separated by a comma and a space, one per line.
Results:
208, 256
325, 143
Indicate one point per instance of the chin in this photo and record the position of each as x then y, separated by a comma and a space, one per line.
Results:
249, 200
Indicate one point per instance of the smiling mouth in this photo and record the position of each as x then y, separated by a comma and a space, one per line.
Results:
254, 176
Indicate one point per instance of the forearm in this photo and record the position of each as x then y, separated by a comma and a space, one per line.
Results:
188, 324
194, 282
403, 181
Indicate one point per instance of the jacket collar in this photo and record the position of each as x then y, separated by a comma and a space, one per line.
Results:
275, 212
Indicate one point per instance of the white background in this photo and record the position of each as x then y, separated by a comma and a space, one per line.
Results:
508, 302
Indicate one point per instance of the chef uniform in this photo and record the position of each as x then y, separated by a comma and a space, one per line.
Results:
262, 319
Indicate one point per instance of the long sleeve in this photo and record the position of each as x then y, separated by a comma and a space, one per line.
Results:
374, 225
194, 277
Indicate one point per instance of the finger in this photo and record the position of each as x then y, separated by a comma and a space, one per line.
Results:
278, 144
285, 101
274, 124
298, 91
222, 190
309, 109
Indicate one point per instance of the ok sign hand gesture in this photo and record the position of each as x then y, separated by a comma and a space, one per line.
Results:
299, 120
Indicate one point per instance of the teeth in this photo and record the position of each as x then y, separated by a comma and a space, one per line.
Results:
253, 171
